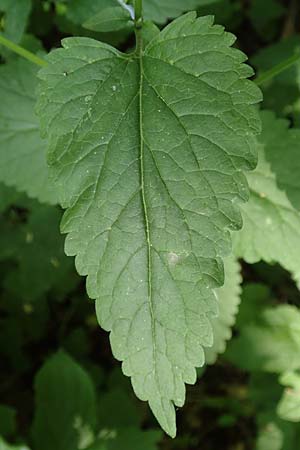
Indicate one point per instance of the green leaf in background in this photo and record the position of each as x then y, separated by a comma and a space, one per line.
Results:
110, 19
13, 18
270, 437
151, 191
7, 420
271, 230
271, 344
158, 11
5, 446
227, 12
65, 414
41, 264
274, 54
279, 140
265, 15
289, 405
281, 94
255, 298
116, 410
8, 196
79, 11
22, 151
129, 439
229, 299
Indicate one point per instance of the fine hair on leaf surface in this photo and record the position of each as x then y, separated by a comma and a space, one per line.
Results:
148, 151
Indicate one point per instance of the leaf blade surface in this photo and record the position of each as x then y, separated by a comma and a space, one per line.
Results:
148, 151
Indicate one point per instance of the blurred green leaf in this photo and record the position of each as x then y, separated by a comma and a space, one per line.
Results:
22, 150
5, 446
272, 344
65, 415
39, 253
13, 18
264, 16
289, 405
128, 439
271, 230
110, 19
281, 94
7, 420
279, 139
270, 438
255, 297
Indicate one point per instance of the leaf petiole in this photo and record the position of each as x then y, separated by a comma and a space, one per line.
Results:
138, 7
22, 51
138, 22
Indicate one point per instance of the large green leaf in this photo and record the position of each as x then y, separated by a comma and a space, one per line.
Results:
22, 151
271, 230
147, 150
65, 405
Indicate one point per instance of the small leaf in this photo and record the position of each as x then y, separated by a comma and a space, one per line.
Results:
110, 19
148, 151
65, 404
150, 31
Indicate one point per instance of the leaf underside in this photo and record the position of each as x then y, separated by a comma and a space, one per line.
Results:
147, 151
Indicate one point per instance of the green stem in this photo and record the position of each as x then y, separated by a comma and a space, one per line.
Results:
138, 7
138, 22
22, 52
276, 70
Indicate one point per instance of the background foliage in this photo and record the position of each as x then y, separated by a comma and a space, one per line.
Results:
60, 387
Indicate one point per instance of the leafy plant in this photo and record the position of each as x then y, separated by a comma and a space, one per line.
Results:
147, 132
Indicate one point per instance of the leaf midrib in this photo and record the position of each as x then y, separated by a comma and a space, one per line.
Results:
143, 197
